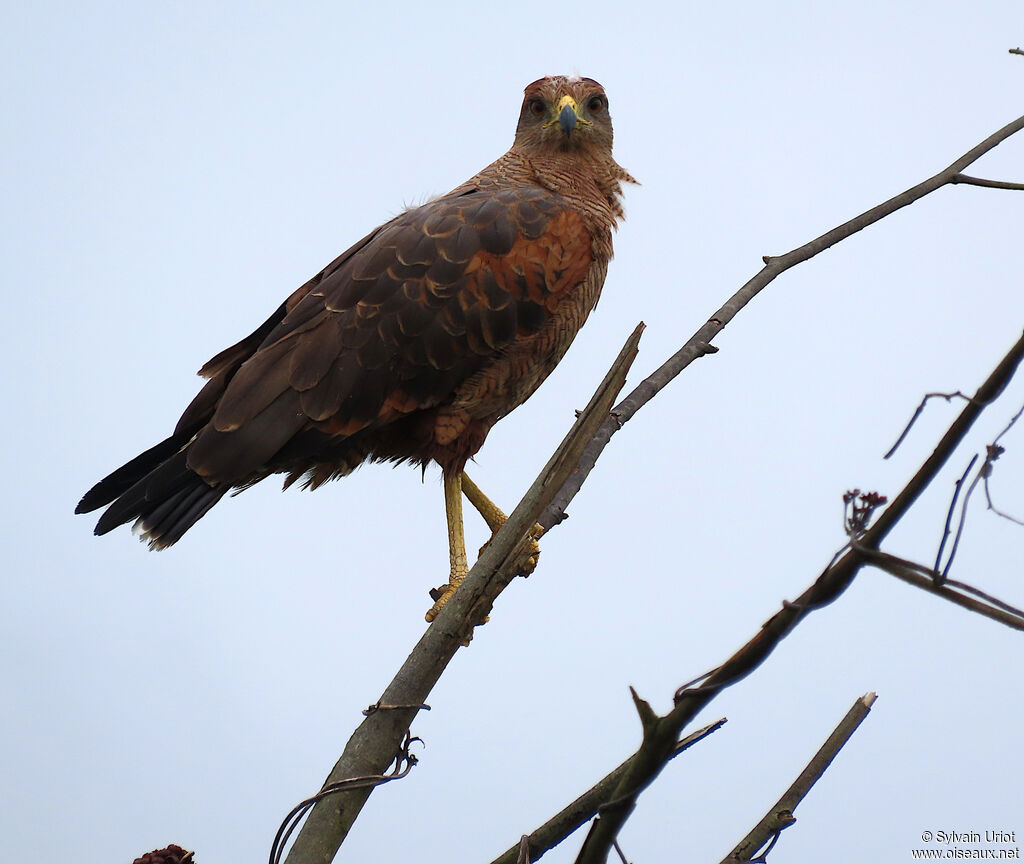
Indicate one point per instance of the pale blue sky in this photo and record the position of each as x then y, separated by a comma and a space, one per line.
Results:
172, 171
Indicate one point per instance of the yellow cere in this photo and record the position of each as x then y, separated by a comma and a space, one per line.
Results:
567, 100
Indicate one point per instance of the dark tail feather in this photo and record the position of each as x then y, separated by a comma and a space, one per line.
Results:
164, 503
121, 480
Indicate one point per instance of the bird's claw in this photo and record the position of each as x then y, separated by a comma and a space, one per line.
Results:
527, 561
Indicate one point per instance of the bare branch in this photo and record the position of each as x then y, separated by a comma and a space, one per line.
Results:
375, 741
917, 413
562, 824
967, 180
781, 815
929, 581
960, 525
1017, 50
952, 508
648, 761
699, 343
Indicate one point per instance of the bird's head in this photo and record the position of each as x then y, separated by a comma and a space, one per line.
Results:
563, 114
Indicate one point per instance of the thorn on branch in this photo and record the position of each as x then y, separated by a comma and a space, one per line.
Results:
644, 709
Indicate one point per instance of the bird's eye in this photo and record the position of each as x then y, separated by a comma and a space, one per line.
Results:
537, 107
596, 104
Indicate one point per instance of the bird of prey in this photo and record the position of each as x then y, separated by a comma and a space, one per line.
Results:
409, 346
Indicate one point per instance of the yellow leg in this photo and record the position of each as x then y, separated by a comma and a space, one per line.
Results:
456, 544
454, 488
495, 517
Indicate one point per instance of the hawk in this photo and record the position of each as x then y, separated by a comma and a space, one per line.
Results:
410, 345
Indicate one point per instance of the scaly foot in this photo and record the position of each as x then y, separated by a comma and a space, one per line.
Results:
442, 595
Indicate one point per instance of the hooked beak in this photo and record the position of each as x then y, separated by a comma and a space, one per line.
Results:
568, 116
567, 119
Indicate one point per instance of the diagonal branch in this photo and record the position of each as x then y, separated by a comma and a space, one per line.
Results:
373, 744
699, 343
648, 761
580, 811
929, 580
375, 741
781, 815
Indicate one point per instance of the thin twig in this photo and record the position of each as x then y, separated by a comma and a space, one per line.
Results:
996, 510
618, 850
781, 815
995, 609
994, 452
917, 413
960, 526
967, 180
952, 508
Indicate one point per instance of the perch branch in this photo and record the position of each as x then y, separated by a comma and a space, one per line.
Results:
699, 343
375, 741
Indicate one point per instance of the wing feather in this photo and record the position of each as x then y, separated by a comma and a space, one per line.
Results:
395, 324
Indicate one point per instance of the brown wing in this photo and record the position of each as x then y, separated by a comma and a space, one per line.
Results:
392, 326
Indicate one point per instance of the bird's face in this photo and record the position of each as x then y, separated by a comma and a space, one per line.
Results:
563, 114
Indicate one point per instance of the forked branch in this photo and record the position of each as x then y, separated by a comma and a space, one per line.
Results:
659, 736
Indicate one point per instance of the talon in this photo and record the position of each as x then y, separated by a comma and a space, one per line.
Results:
442, 595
